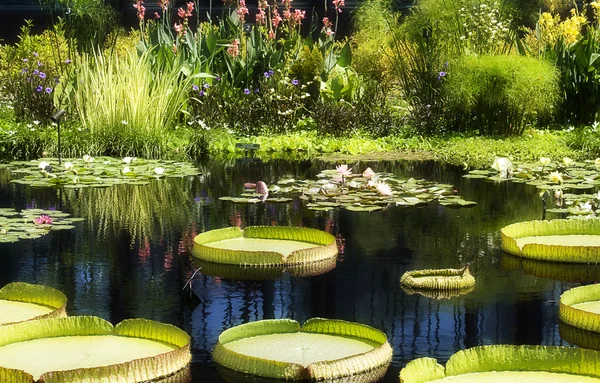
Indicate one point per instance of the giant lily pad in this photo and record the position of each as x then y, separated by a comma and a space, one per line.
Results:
449, 280
265, 246
355, 192
322, 349
580, 307
507, 363
97, 172
32, 223
22, 302
559, 240
568, 272
90, 349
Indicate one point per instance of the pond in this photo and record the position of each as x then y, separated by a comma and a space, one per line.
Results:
131, 257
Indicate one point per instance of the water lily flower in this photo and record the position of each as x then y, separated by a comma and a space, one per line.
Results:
545, 161
159, 170
383, 189
586, 207
567, 161
127, 160
343, 170
503, 165
368, 173
597, 162
68, 165
43, 220
88, 159
126, 170
261, 188
556, 177
42, 165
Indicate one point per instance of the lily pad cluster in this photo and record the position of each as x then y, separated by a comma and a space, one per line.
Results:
97, 172
32, 223
367, 191
560, 182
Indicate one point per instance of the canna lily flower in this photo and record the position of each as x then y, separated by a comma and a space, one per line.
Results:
343, 170
159, 170
43, 165
68, 165
556, 177
88, 159
383, 189
567, 161
368, 173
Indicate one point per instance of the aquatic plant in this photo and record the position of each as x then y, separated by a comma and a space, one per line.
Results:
322, 349
447, 280
557, 240
21, 301
265, 246
506, 363
139, 350
580, 307
568, 272
32, 223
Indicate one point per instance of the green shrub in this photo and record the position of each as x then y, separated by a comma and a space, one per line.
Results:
498, 95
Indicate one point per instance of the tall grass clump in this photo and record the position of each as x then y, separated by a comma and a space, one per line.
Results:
499, 95
127, 105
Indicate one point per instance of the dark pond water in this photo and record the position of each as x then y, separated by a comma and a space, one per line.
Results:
131, 258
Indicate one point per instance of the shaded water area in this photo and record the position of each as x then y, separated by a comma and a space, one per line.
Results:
131, 257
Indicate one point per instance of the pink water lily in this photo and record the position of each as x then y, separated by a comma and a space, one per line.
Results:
383, 189
43, 220
368, 173
343, 170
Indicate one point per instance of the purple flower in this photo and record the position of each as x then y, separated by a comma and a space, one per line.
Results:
246, 91
442, 74
195, 88
39, 63
35, 72
68, 61
295, 82
35, 54
25, 60
206, 86
39, 88
48, 90
24, 70
271, 72
256, 90
201, 93
267, 74
42, 75
218, 78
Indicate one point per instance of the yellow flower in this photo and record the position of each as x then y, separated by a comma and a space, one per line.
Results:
556, 177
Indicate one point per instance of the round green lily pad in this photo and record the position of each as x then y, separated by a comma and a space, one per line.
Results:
559, 240
580, 307
322, 349
265, 246
508, 363
21, 302
31, 223
90, 349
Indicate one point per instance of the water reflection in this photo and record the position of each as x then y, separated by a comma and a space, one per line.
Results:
131, 258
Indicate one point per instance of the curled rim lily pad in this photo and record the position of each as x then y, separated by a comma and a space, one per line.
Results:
265, 246
580, 307
579, 337
568, 272
322, 349
438, 294
448, 280
90, 349
559, 240
250, 273
508, 363
21, 302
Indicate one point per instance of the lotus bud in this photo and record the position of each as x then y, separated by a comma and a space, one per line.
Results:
368, 173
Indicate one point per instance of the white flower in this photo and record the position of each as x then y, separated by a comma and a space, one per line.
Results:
124, 122
87, 159
42, 165
159, 170
586, 207
68, 165
567, 161
37, 122
503, 165
383, 189
556, 177
127, 160
343, 170
545, 161
126, 170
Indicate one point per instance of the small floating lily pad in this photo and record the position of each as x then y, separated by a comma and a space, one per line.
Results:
32, 223
450, 280
265, 246
508, 363
21, 302
139, 350
322, 349
580, 307
557, 240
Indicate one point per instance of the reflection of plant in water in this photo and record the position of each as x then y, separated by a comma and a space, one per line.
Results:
134, 208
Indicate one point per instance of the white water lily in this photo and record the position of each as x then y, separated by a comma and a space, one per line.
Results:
383, 189
159, 170
597, 162
586, 207
68, 165
556, 177
343, 170
87, 159
127, 160
42, 165
567, 161
126, 170
545, 161
503, 165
